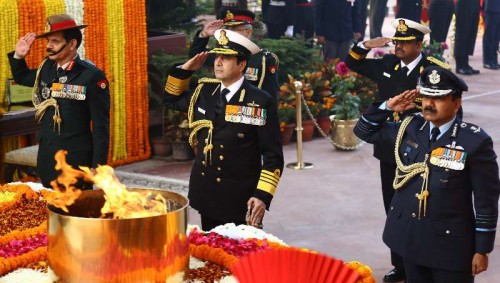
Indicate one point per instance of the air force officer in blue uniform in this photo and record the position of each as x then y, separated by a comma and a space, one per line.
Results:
443, 216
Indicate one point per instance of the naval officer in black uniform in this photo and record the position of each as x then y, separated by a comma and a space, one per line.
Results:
235, 126
262, 67
394, 73
443, 216
71, 97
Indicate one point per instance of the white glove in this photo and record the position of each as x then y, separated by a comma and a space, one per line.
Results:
289, 31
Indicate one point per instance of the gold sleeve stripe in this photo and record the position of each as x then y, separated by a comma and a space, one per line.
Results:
268, 182
176, 86
356, 55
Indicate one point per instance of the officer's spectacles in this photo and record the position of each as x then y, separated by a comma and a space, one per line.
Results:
402, 42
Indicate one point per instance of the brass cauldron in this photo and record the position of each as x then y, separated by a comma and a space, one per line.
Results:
84, 248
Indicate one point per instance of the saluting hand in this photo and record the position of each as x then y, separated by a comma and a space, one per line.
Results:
196, 62
479, 263
210, 28
23, 46
376, 42
257, 208
403, 101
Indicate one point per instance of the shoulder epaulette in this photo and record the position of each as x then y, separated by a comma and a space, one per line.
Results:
275, 58
208, 81
471, 127
438, 62
87, 63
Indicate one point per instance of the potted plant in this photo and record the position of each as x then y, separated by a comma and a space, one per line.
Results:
287, 118
181, 149
346, 109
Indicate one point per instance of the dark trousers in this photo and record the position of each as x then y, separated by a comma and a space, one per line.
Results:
440, 15
387, 174
491, 37
333, 50
421, 274
467, 21
378, 9
276, 31
363, 13
208, 223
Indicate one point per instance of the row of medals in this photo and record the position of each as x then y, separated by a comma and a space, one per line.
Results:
449, 159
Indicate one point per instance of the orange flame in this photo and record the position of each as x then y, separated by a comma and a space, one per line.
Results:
121, 202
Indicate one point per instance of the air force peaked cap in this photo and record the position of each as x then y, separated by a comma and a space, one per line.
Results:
437, 81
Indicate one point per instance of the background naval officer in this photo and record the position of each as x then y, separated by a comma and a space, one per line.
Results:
239, 156
393, 73
443, 216
71, 97
262, 67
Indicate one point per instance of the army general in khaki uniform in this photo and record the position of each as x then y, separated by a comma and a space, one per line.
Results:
239, 157
71, 96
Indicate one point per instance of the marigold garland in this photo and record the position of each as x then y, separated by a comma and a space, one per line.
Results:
364, 270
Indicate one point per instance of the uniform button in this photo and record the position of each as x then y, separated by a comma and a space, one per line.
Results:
203, 162
221, 157
219, 169
416, 195
446, 169
413, 215
218, 180
405, 154
392, 207
202, 173
448, 232
221, 146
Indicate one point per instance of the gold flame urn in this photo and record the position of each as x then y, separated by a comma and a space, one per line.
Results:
82, 247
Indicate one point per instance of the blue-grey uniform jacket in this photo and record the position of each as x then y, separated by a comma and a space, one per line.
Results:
459, 216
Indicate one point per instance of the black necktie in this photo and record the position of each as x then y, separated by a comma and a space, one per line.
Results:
221, 101
404, 71
60, 70
434, 134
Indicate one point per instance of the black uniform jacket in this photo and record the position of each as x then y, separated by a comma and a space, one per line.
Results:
390, 82
261, 71
247, 156
462, 206
84, 130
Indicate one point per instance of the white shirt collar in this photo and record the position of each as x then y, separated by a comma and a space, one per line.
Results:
232, 88
413, 63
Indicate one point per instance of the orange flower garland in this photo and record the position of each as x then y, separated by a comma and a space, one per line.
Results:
363, 270
21, 203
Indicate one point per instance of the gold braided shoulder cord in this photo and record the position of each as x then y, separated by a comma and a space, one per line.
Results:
405, 173
200, 124
42, 107
263, 71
